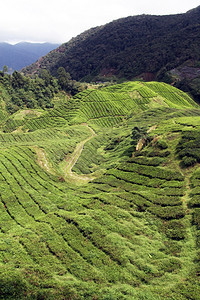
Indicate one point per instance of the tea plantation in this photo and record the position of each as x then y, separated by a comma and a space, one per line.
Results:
100, 197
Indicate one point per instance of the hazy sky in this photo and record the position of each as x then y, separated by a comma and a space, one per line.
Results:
59, 20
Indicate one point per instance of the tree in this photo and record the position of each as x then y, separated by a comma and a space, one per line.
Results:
17, 80
64, 79
46, 76
5, 69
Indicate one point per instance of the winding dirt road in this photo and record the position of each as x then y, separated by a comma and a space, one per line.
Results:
75, 156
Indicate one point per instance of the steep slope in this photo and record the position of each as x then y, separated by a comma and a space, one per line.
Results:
130, 233
145, 45
20, 55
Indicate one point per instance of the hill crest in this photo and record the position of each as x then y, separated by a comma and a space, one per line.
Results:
144, 46
105, 107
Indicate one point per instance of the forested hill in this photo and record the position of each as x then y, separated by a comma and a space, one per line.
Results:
22, 54
145, 46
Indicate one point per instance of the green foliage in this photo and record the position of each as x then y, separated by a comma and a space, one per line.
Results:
162, 144
175, 229
188, 148
63, 78
23, 92
129, 47
12, 284
110, 106
155, 161
168, 212
188, 161
151, 171
112, 228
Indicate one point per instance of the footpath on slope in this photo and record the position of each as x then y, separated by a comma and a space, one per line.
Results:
189, 249
69, 174
42, 160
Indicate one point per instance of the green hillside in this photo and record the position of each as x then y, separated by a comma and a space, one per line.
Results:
104, 107
100, 197
42, 92
164, 48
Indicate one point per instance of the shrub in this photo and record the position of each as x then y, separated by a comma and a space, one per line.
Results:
12, 285
162, 144
167, 212
196, 217
174, 229
188, 161
195, 201
170, 265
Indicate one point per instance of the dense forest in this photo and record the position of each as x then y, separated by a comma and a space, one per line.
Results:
165, 48
18, 91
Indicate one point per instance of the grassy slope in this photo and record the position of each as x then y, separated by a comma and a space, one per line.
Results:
106, 107
132, 233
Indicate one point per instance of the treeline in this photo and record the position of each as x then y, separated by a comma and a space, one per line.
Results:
37, 92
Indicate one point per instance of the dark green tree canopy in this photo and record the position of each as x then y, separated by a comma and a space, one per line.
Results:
64, 78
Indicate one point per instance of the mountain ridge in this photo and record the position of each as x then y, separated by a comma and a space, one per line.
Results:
129, 47
19, 55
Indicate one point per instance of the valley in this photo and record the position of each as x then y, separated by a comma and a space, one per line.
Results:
88, 212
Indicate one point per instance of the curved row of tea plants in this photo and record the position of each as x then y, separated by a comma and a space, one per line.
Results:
132, 233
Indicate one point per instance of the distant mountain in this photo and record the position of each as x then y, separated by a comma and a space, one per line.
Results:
22, 54
145, 46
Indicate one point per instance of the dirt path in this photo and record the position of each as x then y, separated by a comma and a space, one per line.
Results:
75, 156
189, 249
151, 128
42, 160
141, 141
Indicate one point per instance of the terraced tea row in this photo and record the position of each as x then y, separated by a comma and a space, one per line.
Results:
125, 235
53, 237
106, 107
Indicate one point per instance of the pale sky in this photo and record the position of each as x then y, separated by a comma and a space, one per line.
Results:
57, 21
